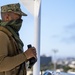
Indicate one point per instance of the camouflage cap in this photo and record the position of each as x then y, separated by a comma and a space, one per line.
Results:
12, 8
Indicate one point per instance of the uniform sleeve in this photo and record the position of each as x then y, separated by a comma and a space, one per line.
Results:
7, 63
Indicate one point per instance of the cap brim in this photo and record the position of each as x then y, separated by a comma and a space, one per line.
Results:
21, 13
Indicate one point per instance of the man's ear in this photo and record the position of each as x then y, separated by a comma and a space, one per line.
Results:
7, 17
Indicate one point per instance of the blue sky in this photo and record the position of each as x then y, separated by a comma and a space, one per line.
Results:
57, 27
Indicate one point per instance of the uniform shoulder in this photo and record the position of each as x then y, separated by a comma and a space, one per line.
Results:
3, 35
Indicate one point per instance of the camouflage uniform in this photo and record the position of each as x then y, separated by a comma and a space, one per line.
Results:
15, 8
12, 58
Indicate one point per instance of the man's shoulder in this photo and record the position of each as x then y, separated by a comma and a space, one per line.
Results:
5, 30
3, 35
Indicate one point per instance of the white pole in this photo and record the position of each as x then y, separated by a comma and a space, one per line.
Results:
37, 25
55, 60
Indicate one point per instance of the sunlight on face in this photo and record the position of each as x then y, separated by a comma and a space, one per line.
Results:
10, 16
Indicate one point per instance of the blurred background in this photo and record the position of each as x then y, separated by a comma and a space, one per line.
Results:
57, 34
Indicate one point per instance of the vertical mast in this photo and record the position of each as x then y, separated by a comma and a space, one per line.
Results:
34, 7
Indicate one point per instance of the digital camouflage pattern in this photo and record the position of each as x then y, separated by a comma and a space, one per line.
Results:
12, 8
